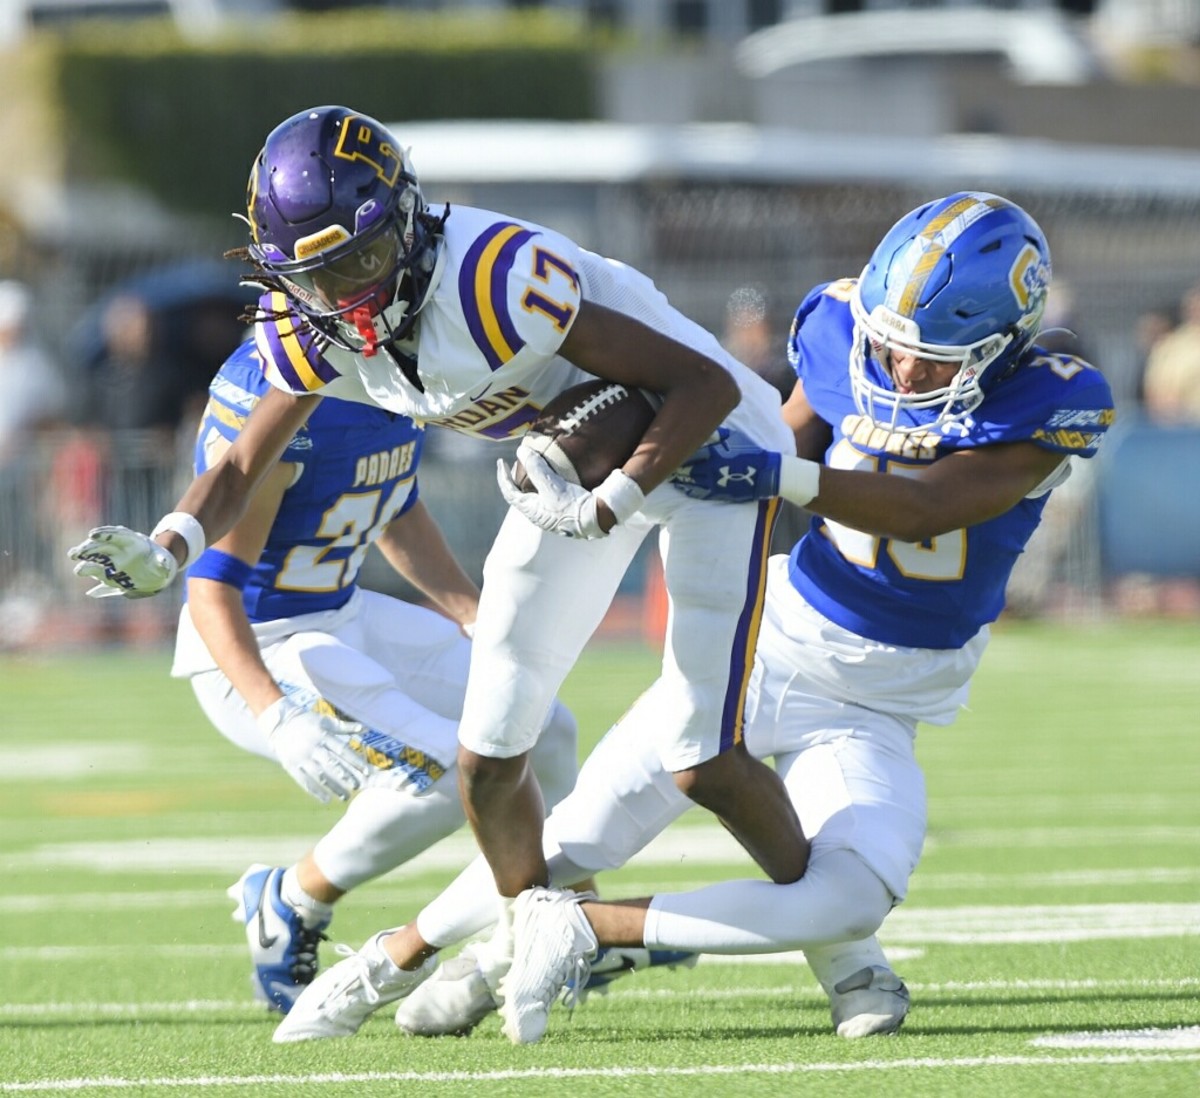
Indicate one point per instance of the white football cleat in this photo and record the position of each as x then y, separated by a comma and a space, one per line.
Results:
464, 991
338, 1001
873, 1000
553, 944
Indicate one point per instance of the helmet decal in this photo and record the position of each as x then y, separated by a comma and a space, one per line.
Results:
321, 241
921, 258
359, 140
1030, 280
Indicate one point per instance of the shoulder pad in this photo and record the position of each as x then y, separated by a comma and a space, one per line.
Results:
291, 350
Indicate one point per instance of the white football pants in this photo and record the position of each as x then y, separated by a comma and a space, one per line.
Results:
400, 669
850, 770
544, 595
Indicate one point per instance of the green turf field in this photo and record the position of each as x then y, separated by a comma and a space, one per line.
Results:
1051, 939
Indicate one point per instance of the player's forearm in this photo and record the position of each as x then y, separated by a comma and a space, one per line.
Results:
216, 500
686, 420
220, 619
220, 496
415, 547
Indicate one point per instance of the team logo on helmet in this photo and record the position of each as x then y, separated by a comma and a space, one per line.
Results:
1029, 277
359, 141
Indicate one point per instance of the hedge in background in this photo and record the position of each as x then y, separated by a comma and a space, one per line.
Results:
185, 120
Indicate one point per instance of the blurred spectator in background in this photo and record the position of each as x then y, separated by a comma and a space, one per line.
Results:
1152, 325
1171, 384
1060, 330
35, 394
749, 337
135, 385
34, 399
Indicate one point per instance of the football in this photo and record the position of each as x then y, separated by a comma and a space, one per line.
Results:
589, 430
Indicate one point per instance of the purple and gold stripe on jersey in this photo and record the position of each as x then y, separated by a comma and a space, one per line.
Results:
290, 347
927, 248
741, 660
483, 290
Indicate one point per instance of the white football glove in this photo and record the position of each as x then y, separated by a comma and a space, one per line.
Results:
564, 508
315, 749
123, 562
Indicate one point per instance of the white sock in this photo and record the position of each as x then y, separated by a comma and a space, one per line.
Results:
501, 941
312, 912
831, 964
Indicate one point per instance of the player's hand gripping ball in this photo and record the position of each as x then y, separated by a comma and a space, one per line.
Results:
571, 458
587, 431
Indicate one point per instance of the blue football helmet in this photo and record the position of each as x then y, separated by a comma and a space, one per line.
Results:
959, 280
338, 223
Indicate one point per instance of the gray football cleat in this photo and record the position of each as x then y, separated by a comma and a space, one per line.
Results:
872, 1001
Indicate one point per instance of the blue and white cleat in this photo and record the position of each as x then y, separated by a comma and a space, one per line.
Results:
283, 950
613, 962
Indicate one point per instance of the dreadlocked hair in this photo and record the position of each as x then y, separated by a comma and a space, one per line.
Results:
260, 279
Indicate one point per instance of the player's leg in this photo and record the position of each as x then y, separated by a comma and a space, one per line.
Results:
852, 775
714, 562
411, 804
543, 597
624, 798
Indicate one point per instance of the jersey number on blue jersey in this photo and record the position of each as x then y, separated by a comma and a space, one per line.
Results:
941, 559
353, 522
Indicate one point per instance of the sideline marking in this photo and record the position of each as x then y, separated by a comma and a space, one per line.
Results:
116, 1083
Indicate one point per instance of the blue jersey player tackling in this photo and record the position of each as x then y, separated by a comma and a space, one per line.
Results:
349, 689
930, 428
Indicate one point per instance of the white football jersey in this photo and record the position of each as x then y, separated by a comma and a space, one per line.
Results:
502, 299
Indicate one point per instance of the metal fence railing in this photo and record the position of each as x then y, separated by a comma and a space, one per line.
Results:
74, 480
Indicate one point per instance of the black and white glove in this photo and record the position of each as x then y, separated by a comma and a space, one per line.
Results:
123, 562
564, 508
315, 749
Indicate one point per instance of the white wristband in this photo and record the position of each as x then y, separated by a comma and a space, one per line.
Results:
187, 527
799, 480
621, 494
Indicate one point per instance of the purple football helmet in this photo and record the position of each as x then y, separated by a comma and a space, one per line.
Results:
338, 223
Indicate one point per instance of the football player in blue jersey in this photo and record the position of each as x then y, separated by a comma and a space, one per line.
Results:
349, 689
930, 429
474, 321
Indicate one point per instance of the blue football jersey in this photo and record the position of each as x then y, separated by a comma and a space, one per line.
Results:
357, 472
938, 593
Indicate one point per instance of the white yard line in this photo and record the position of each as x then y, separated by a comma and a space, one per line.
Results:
683, 846
392, 889
905, 927
715, 1070
808, 990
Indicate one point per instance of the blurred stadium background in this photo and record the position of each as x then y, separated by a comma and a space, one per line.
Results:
739, 151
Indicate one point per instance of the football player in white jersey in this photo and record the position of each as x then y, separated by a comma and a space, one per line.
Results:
472, 320
930, 430
348, 689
